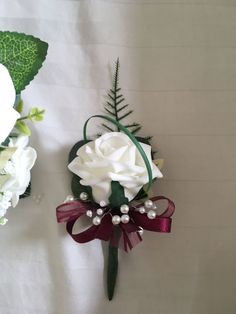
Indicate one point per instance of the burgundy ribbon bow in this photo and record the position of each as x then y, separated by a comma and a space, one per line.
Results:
129, 236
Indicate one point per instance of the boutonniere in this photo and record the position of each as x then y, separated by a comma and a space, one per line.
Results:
21, 56
112, 177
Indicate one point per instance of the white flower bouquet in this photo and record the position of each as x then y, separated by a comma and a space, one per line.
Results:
21, 56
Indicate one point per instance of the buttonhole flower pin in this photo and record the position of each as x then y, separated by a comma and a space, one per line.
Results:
112, 177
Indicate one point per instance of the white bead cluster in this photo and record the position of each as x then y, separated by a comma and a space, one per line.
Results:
96, 220
149, 207
124, 218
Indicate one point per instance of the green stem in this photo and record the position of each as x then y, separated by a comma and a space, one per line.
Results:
112, 269
31, 116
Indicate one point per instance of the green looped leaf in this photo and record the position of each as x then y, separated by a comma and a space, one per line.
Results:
23, 55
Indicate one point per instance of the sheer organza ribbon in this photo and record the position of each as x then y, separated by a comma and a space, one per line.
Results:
125, 236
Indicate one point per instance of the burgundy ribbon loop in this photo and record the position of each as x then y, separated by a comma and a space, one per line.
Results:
71, 211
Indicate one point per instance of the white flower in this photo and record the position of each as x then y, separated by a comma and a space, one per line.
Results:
8, 115
112, 157
18, 167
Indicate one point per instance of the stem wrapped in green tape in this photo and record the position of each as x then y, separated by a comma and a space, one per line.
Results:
112, 270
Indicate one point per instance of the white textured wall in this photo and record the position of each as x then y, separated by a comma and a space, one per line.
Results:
178, 71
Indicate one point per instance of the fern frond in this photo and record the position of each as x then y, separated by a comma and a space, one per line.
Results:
111, 113
120, 101
136, 130
115, 106
107, 127
109, 104
120, 109
125, 115
112, 98
117, 97
132, 125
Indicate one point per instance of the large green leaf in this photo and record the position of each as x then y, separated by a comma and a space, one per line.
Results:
23, 55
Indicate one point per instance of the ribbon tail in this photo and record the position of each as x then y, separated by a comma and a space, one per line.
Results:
130, 237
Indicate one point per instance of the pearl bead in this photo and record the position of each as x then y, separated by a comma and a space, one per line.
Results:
140, 231
124, 209
116, 220
100, 211
83, 196
89, 213
142, 210
102, 203
69, 198
151, 214
125, 219
96, 220
148, 204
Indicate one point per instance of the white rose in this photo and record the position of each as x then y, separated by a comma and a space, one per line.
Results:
8, 114
18, 167
112, 157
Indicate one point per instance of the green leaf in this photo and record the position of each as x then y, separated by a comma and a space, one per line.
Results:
20, 106
36, 114
112, 270
5, 154
22, 128
23, 55
117, 197
78, 188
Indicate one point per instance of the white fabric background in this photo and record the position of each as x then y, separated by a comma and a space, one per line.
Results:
178, 71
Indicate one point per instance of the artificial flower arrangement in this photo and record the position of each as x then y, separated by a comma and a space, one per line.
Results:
112, 176
21, 56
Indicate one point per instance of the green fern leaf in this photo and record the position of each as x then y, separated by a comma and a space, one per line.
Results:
114, 104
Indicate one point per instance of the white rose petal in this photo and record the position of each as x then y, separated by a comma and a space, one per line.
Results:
8, 114
113, 157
